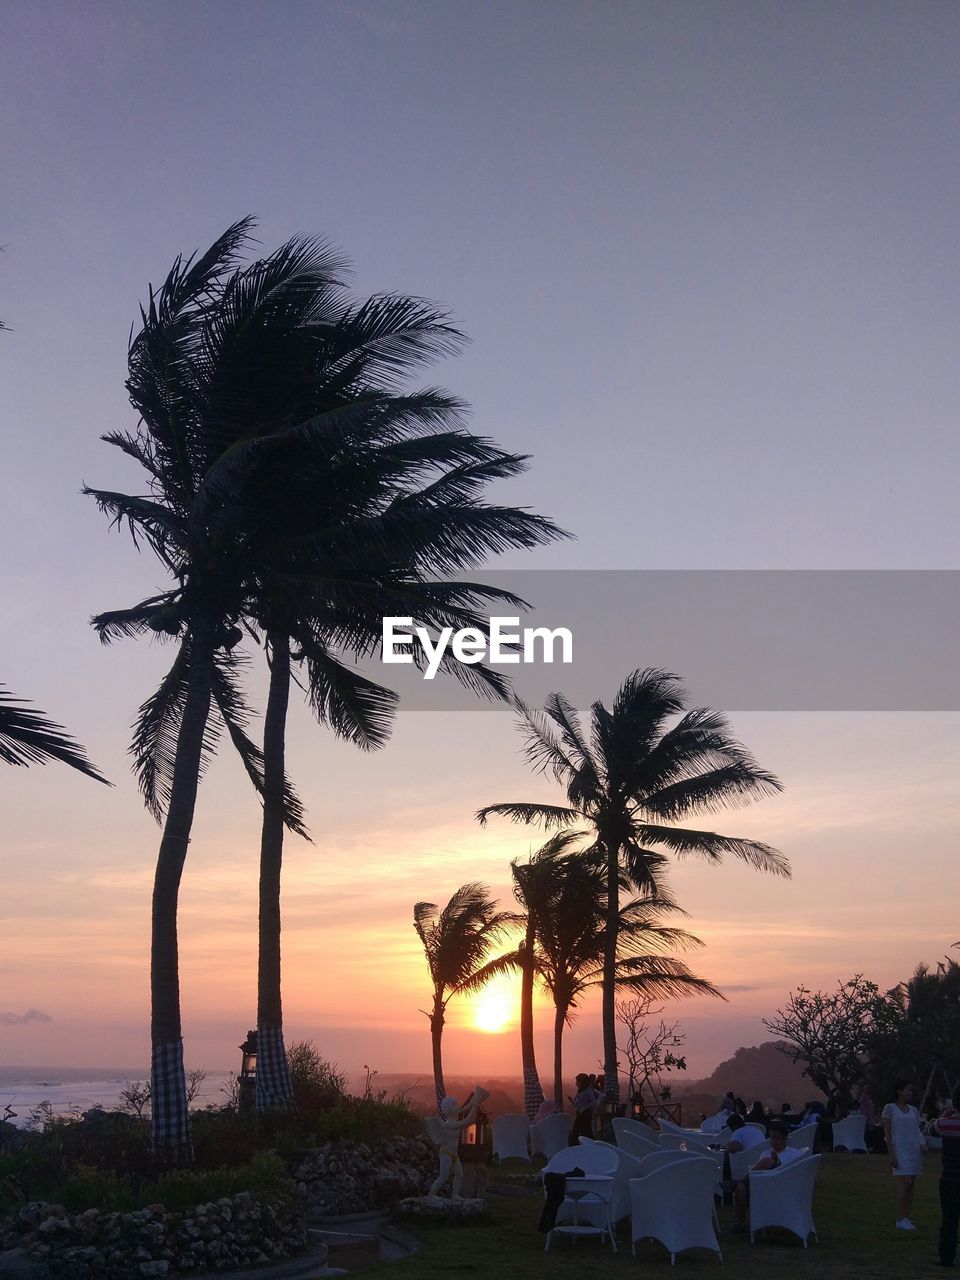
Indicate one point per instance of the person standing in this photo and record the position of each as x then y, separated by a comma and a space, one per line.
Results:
948, 1127
585, 1105
901, 1129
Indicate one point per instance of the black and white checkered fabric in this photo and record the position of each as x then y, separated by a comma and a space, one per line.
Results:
532, 1092
170, 1122
274, 1086
611, 1085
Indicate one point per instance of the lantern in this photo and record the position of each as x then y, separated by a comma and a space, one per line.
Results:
248, 1072
477, 1135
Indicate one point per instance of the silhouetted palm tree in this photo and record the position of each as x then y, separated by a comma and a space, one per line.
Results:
634, 775
275, 472
28, 737
456, 942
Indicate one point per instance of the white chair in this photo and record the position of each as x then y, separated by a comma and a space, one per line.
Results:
668, 1126
684, 1142
722, 1138
784, 1198
660, 1159
713, 1124
635, 1145
587, 1209
805, 1136
510, 1133
850, 1133
598, 1157
640, 1131
674, 1205
550, 1135
628, 1167
753, 1124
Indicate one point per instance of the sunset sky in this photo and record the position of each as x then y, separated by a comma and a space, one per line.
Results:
707, 257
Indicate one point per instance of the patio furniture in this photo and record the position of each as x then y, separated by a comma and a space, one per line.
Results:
805, 1136
784, 1198
642, 1132
587, 1209
550, 1135
511, 1135
850, 1133
673, 1204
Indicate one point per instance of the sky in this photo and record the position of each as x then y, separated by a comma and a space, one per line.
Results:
706, 256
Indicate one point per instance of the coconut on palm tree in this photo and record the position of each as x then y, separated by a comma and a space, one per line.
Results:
279, 471
456, 942
646, 764
28, 737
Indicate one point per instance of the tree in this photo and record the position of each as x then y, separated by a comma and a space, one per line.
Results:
456, 942
572, 948
28, 737
534, 883
836, 1035
265, 446
650, 1050
928, 1033
634, 775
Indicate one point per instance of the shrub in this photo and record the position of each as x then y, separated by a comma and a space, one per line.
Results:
181, 1189
317, 1084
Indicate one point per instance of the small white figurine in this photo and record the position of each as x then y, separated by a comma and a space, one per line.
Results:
445, 1131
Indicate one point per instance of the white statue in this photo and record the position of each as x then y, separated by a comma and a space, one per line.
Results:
445, 1131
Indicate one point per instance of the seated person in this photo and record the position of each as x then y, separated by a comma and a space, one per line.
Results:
744, 1137
777, 1153
757, 1115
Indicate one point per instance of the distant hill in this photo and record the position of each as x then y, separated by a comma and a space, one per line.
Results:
758, 1072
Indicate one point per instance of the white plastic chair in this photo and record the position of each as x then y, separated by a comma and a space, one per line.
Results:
642, 1132
510, 1136
752, 1124
628, 1167
784, 1198
598, 1157
635, 1145
586, 1210
674, 1205
684, 1142
850, 1133
550, 1135
805, 1136
713, 1124
668, 1126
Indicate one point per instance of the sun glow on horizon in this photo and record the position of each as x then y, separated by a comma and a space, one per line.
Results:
493, 1010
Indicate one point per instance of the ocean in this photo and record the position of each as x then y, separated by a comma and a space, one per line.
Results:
69, 1089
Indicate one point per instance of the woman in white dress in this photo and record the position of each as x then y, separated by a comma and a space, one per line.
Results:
901, 1129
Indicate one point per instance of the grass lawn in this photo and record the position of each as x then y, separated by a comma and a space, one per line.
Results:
853, 1207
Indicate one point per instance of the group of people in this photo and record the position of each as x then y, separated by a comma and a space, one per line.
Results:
586, 1103
904, 1134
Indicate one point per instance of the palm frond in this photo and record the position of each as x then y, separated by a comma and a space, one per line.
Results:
28, 737
544, 815
711, 847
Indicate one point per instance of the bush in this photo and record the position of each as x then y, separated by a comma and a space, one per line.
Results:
181, 1189
317, 1084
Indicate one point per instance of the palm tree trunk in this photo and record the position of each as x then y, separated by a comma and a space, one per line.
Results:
559, 1019
170, 1125
274, 1086
611, 1079
436, 1034
532, 1089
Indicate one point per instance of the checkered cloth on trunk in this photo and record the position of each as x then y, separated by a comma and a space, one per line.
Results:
532, 1092
274, 1086
170, 1123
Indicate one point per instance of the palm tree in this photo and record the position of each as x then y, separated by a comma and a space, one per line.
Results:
276, 473
28, 737
636, 774
456, 942
534, 883
572, 944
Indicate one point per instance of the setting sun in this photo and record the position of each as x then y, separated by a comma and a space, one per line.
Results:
493, 1009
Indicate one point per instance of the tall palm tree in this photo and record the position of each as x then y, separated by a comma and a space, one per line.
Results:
646, 763
572, 944
456, 942
28, 737
276, 472
535, 882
